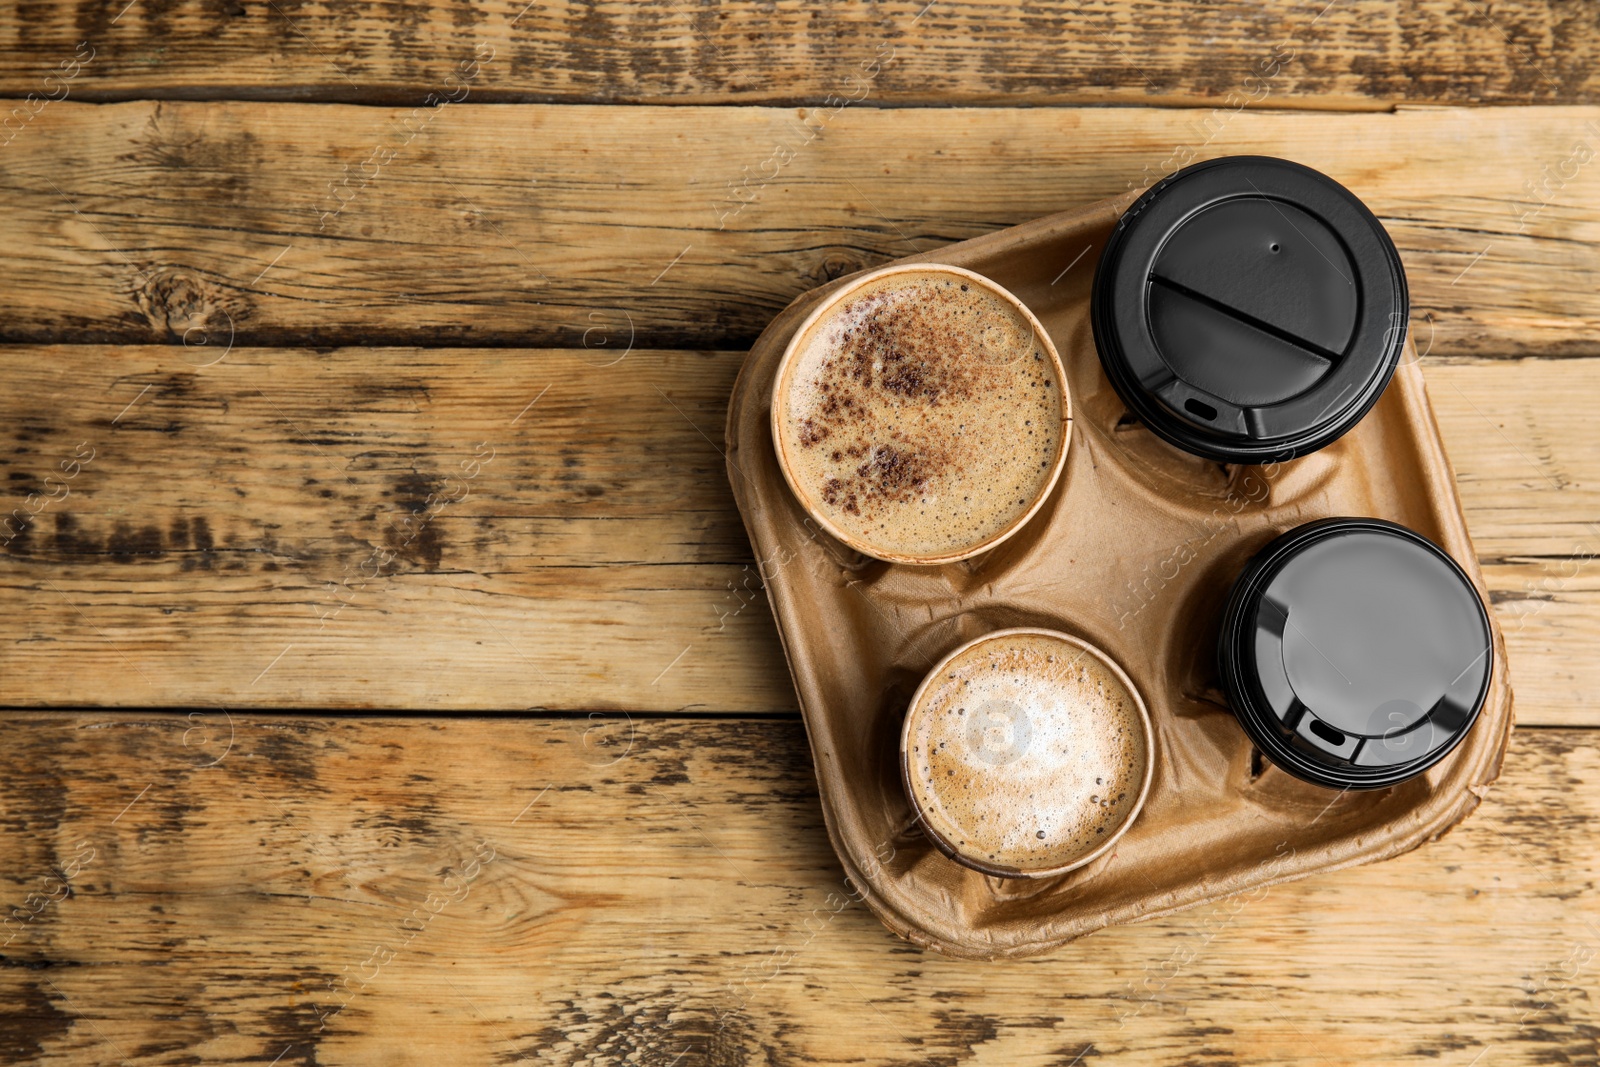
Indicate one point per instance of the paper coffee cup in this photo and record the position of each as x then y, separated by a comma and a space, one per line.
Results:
920, 414
1026, 753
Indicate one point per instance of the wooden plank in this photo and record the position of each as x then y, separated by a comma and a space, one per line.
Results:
1522, 442
415, 891
259, 531
371, 528
565, 226
1353, 54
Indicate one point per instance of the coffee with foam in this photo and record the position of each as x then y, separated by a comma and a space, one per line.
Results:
1026, 753
922, 414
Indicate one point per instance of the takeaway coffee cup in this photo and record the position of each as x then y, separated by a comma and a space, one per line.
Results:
920, 414
1249, 309
1026, 753
1355, 652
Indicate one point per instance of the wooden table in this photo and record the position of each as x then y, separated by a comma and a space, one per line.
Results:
388, 677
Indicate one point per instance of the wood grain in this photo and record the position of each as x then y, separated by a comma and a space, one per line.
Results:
1528, 480
288, 528
656, 892
1352, 54
533, 513
369, 528
691, 227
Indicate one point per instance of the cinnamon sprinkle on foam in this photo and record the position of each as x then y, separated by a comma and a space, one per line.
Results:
924, 414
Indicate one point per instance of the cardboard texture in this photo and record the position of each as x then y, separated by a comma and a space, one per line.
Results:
1134, 551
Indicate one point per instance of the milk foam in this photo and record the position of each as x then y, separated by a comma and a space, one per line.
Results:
1026, 752
923, 415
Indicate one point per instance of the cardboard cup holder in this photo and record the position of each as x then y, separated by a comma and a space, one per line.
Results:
1135, 552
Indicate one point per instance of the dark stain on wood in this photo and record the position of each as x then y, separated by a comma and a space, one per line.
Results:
296, 1030
212, 167
35, 964
290, 755
203, 541
29, 1024
414, 537
72, 542
35, 800
68, 541
163, 1048
959, 1031
1565, 743
663, 1027
670, 778
1557, 1038
127, 544
21, 543
1440, 1044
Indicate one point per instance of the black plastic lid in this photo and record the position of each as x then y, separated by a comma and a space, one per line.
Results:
1355, 652
1249, 309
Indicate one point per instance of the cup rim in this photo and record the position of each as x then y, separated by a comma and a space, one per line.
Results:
1000, 870
784, 372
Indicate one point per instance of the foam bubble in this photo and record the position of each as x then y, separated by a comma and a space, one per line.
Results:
923, 414
1026, 752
